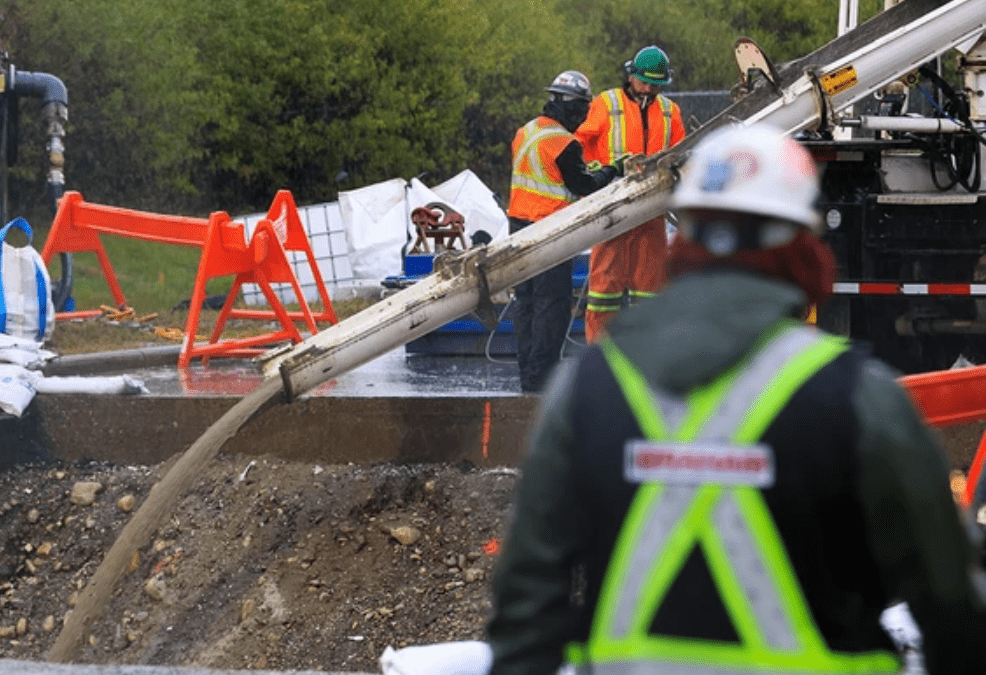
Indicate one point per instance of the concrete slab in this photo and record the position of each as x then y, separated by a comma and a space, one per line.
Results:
397, 408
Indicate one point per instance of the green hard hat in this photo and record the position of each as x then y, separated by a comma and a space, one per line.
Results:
651, 65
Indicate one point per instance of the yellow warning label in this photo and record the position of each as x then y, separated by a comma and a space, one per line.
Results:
839, 80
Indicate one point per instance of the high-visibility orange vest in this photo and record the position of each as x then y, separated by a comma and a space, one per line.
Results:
615, 127
537, 188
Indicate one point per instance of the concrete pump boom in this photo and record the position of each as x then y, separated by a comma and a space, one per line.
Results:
807, 94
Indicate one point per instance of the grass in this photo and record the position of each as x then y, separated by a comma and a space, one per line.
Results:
101, 334
155, 279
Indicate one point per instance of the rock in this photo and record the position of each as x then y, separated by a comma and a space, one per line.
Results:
473, 574
21, 626
45, 549
120, 641
126, 503
84, 492
33, 516
8, 631
155, 588
48, 624
406, 534
247, 609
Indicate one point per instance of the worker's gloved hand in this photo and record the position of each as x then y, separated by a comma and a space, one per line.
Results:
620, 163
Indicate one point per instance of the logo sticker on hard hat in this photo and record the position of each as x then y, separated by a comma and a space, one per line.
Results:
737, 166
717, 177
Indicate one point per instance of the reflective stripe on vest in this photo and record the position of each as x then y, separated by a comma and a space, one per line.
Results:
537, 179
618, 128
731, 523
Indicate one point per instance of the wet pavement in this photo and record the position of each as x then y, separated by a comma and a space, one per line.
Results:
395, 374
400, 407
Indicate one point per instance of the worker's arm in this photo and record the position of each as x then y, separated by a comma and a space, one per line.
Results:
578, 179
923, 548
533, 618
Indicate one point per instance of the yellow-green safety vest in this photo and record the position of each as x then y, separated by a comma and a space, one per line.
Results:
714, 431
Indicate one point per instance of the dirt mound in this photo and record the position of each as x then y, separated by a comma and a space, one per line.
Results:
263, 564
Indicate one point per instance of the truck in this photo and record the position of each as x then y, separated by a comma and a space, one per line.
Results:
903, 198
904, 202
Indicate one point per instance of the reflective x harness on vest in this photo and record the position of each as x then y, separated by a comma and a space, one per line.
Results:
725, 515
618, 127
536, 179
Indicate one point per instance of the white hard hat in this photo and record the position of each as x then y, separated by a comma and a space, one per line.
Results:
755, 170
571, 85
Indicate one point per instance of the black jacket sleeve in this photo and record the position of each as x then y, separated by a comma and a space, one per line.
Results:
578, 179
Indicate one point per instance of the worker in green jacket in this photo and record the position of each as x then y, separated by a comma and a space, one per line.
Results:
719, 487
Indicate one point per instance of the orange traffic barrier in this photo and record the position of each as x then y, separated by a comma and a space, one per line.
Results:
950, 397
225, 252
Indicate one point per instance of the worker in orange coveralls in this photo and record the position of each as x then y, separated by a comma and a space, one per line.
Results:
631, 120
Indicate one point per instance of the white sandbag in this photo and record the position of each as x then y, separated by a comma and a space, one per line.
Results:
18, 386
26, 307
116, 384
16, 389
446, 658
23, 352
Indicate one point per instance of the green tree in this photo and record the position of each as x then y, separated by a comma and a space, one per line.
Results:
194, 105
134, 96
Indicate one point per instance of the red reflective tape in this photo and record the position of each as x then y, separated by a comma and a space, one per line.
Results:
891, 288
872, 288
949, 289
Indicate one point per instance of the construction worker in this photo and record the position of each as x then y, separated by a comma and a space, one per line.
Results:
633, 119
718, 487
549, 174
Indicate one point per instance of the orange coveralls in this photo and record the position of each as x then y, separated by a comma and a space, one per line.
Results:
634, 262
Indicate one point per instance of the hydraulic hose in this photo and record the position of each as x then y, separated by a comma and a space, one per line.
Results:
54, 114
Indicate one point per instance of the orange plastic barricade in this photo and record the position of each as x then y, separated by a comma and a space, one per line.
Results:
225, 252
950, 397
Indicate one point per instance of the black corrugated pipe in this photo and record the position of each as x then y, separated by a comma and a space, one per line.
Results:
54, 114
54, 97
